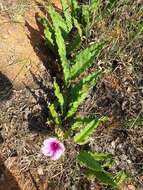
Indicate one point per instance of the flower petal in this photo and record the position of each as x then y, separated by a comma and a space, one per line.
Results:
46, 151
57, 155
62, 147
53, 148
50, 140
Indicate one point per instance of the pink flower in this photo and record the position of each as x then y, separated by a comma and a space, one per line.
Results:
53, 148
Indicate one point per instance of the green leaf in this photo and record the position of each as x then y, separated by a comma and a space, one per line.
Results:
120, 177
75, 6
95, 169
80, 122
83, 136
62, 54
85, 59
59, 95
86, 16
54, 114
94, 4
49, 33
80, 91
101, 156
58, 21
87, 160
106, 158
108, 163
77, 25
61, 44
102, 176
94, 7
67, 13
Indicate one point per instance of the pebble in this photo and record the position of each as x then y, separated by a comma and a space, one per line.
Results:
129, 187
40, 171
9, 32
5, 36
113, 144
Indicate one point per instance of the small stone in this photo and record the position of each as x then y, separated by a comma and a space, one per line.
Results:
40, 171
120, 146
129, 161
5, 36
124, 157
113, 144
9, 31
129, 187
139, 1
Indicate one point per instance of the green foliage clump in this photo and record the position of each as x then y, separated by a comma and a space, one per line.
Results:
57, 35
74, 60
97, 164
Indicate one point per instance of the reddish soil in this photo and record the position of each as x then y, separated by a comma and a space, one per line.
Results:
21, 40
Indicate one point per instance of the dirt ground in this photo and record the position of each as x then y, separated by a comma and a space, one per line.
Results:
24, 88
21, 42
20, 46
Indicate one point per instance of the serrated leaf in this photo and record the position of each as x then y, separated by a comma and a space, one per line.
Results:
49, 33
83, 136
103, 176
61, 45
62, 54
77, 25
59, 95
80, 91
80, 122
101, 156
49, 37
106, 158
58, 21
85, 59
95, 169
54, 114
67, 13
86, 15
120, 177
75, 6
87, 160
94, 5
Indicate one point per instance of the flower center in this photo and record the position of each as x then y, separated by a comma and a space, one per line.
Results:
54, 146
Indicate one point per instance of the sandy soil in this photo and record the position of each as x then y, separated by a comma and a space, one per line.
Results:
21, 41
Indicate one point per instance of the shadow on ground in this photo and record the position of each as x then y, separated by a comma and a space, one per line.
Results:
38, 119
6, 87
46, 56
7, 180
